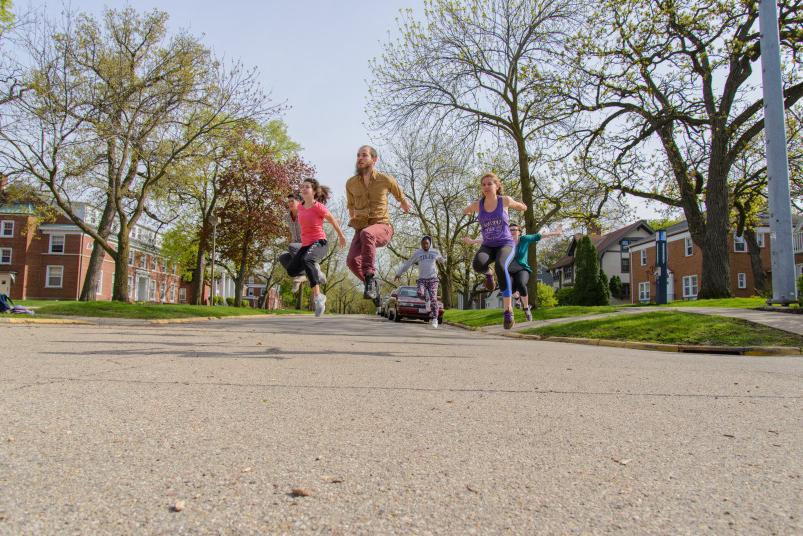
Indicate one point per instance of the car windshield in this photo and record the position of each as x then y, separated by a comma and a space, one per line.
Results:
407, 292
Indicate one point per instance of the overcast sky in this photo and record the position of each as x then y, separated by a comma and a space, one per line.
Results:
311, 54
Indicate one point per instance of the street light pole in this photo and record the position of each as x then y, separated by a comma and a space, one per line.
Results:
778, 195
213, 221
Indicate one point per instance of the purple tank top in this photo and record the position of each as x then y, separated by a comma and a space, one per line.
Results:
495, 225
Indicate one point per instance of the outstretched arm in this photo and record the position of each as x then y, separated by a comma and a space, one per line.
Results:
512, 203
471, 241
341, 237
472, 208
406, 265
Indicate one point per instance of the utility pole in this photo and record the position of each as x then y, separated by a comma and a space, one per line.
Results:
778, 194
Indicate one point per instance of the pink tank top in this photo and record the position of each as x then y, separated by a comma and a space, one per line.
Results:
311, 220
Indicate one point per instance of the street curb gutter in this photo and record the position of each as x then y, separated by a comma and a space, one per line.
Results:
681, 348
655, 346
44, 321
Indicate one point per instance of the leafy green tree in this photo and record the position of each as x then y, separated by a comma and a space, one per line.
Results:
6, 16
668, 102
120, 101
589, 288
253, 191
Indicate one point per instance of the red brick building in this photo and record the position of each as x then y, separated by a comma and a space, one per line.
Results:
50, 260
684, 260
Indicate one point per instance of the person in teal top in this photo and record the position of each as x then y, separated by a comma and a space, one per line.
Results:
519, 269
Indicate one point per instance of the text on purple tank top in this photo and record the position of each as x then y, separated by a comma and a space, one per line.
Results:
495, 225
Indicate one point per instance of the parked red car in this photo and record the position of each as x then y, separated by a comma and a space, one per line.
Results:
405, 303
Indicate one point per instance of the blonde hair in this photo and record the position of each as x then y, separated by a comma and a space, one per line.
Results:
499, 188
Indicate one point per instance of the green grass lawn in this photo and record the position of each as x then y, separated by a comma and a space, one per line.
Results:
673, 327
739, 303
489, 317
110, 309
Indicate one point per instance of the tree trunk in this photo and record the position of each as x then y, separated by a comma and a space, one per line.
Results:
199, 272
716, 266
239, 279
756, 265
446, 287
96, 259
91, 280
532, 285
120, 292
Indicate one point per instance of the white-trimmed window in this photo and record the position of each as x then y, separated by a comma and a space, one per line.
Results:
690, 286
739, 245
760, 239
5, 255
130, 257
7, 228
99, 286
143, 261
644, 291
56, 243
152, 290
688, 246
130, 287
54, 277
643, 257
163, 292
741, 280
182, 295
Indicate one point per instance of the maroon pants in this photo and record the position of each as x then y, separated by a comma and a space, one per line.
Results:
362, 253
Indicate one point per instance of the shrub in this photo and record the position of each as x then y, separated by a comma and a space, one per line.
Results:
546, 295
603, 293
800, 290
565, 296
616, 287
591, 285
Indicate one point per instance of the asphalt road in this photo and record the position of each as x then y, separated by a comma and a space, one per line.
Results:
387, 429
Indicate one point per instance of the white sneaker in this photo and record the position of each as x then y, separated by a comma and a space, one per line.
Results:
297, 280
320, 304
321, 275
434, 322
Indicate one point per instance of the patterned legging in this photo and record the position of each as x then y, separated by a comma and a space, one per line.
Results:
429, 286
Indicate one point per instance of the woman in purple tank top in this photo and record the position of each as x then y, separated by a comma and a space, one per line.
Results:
497, 242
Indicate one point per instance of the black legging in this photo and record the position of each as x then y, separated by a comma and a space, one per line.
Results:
520, 278
501, 257
304, 261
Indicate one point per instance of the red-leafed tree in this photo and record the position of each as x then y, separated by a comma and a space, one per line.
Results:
253, 190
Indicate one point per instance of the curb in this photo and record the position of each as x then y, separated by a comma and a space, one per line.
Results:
44, 321
462, 326
654, 346
182, 320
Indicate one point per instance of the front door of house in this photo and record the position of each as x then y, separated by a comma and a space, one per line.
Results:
142, 289
5, 283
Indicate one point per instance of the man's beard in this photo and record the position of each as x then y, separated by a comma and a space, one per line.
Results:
359, 171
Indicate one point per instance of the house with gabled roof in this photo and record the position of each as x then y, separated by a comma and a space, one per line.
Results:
613, 249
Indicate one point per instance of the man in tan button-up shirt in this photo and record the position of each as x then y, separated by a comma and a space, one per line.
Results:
367, 202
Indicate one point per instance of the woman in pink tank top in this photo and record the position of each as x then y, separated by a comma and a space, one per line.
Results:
311, 215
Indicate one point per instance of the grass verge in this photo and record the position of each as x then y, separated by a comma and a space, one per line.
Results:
489, 317
673, 327
110, 309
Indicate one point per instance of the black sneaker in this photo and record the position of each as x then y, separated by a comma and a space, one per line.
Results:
370, 292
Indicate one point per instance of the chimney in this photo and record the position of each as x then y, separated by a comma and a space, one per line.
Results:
3, 182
